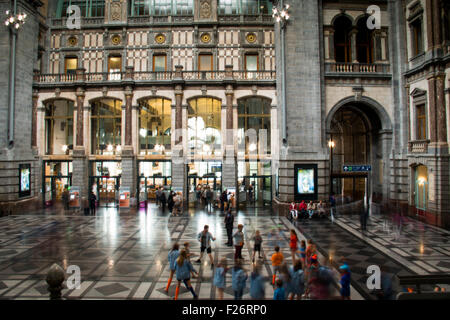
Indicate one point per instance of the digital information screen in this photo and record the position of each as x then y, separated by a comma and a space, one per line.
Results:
305, 181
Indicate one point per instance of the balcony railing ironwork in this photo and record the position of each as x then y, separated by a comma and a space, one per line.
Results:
137, 76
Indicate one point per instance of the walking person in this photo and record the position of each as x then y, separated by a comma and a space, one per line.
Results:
162, 199
257, 239
298, 280
92, 202
310, 250
209, 199
257, 283
280, 292
172, 259
303, 252
229, 220
183, 269
223, 200
219, 277
65, 198
238, 239
286, 277
238, 280
277, 260
364, 215
293, 244
332, 207
170, 201
205, 238
345, 281
158, 196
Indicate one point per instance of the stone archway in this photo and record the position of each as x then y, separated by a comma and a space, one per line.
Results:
361, 132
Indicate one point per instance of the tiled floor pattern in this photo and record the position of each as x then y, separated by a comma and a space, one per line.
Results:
124, 256
120, 256
416, 249
422, 248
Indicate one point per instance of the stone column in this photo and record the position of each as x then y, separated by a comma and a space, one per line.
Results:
432, 108
179, 172
34, 120
441, 111
429, 26
229, 174
128, 159
128, 124
80, 104
353, 45
437, 22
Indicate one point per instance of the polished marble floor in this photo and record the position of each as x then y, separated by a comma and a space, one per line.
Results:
123, 255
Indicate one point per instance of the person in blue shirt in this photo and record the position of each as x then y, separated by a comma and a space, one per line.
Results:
345, 281
257, 283
219, 277
172, 259
279, 293
183, 269
297, 280
238, 280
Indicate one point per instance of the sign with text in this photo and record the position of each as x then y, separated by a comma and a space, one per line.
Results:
358, 168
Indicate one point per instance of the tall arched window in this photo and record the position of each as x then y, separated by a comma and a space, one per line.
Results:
106, 124
342, 41
364, 42
254, 119
59, 126
154, 125
204, 125
89, 8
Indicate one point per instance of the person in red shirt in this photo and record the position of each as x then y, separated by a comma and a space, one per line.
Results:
302, 208
293, 244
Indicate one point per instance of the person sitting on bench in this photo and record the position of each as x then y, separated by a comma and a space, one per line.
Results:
302, 208
311, 209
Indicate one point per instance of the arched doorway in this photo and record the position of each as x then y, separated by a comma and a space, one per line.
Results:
59, 138
359, 134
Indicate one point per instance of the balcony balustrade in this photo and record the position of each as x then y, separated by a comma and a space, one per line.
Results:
137, 76
418, 146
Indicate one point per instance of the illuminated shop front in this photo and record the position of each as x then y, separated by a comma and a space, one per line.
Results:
57, 176
105, 181
254, 183
203, 174
152, 175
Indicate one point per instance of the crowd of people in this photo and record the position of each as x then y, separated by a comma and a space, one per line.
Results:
304, 279
308, 210
174, 201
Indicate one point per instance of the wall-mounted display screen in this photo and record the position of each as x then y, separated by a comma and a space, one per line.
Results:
24, 180
305, 181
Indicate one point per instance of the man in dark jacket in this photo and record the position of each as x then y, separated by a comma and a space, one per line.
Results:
229, 220
223, 200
